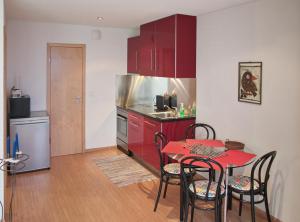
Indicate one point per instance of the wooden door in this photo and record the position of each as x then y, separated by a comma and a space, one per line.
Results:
66, 98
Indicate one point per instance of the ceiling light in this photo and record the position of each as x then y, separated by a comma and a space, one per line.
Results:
99, 18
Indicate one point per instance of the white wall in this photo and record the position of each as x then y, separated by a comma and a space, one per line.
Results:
267, 31
27, 47
2, 112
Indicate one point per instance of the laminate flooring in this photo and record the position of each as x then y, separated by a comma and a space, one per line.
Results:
76, 190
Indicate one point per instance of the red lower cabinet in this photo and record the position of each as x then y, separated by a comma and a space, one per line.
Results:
150, 154
135, 133
175, 130
141, 131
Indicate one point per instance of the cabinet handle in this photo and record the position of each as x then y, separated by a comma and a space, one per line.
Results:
151, 63
155, 59
132, 116
133, 124
121, 117
136, 60
151, 124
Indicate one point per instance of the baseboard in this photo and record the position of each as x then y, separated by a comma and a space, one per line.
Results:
99, 148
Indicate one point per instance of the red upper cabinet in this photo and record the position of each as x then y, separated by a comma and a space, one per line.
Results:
133, 47
147, 49
165, 47
186, 33
168, 47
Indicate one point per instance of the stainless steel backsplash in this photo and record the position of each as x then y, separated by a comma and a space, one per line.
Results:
134, 90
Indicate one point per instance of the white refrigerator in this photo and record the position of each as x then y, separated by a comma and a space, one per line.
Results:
33, 133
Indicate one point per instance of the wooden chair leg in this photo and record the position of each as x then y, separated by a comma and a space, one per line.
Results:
241, 205
192, 209
158, 194
217, 210
229, 199
267, 207
166, 187
220, 211
186, 212
252, 207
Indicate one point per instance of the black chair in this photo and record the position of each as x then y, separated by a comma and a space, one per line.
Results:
254, 185
208, 191
167, 170
210, 134
190, 131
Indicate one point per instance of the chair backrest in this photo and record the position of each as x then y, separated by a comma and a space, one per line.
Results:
190, 131
191, 164
260, 171
160, 141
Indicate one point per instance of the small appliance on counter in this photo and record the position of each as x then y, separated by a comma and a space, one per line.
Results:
162, 102
19, 107
173, 101
19, 104
165, 102
15, 93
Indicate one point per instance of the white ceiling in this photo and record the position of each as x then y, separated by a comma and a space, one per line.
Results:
116, 13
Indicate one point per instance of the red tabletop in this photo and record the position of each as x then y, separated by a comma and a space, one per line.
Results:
234, 158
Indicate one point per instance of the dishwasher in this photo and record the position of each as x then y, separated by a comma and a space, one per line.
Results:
33, 134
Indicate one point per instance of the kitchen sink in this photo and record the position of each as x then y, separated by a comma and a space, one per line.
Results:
164, 115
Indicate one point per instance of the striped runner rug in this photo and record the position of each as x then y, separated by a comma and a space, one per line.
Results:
123, 170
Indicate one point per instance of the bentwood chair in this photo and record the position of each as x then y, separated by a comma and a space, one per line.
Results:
167, 170
207, 191
255, 185
209, 133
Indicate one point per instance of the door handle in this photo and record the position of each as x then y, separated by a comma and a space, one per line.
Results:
77, 99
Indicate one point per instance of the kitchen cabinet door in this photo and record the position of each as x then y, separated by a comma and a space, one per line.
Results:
147, 49
165, 47
150, 154
186, 28
133, 54
175, 130
135, 134
168, 47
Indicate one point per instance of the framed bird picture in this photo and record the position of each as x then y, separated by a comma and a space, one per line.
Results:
250, 82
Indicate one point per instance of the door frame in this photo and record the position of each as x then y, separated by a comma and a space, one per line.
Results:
83, 47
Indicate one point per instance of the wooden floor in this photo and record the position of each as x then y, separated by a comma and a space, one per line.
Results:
75, 189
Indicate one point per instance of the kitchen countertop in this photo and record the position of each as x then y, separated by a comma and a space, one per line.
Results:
146, 111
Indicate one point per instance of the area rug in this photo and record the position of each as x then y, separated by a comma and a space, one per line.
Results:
123, 170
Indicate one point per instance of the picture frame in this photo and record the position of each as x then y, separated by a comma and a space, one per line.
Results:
250, 82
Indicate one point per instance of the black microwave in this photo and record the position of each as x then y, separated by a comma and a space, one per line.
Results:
19, 107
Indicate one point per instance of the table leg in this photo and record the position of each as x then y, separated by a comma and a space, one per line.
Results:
226, 194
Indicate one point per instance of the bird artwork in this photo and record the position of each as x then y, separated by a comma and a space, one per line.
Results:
249, 87
250, 82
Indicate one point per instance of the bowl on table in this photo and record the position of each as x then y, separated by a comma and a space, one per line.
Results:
234, 145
